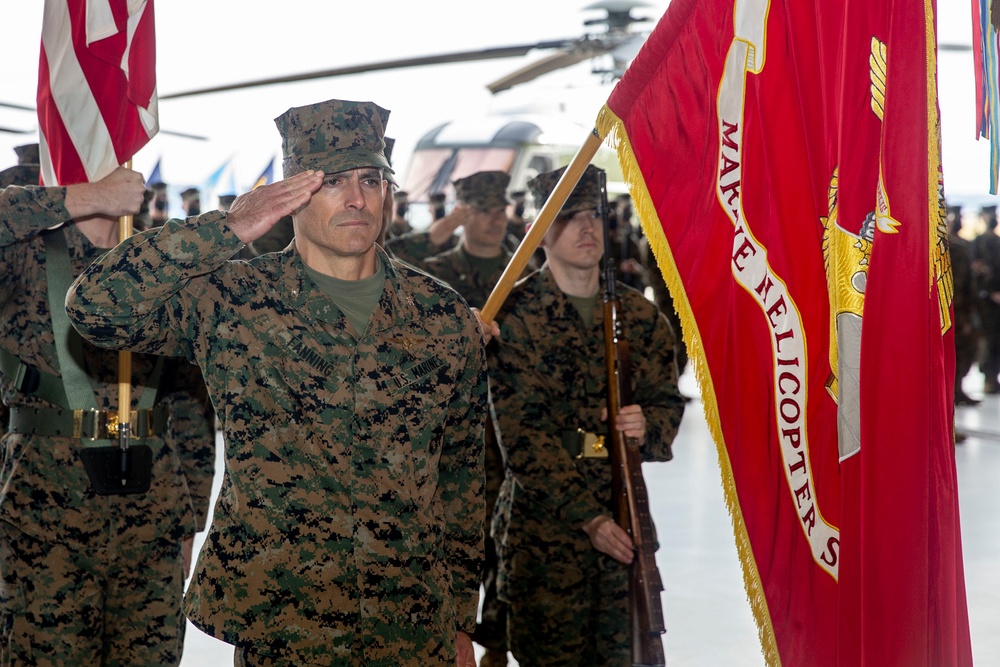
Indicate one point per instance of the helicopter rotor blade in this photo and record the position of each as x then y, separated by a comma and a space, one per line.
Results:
580, 50
19, 107
440, 59
536, 69
184, 135
617, 20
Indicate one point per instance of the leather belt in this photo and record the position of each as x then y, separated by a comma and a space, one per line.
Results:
85, 424
584, 444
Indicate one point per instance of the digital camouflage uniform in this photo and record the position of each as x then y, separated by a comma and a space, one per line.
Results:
27, 171
415, 247
474, 278
547, 377
470, 276
567, 601
348, 529
88, 579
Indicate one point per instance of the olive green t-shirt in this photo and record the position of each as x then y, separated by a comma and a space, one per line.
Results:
355, 298
585, 306
487, 265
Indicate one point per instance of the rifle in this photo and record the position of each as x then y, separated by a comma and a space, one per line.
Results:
627, 484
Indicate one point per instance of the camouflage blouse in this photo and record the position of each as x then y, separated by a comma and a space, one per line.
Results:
349, 525
548, 377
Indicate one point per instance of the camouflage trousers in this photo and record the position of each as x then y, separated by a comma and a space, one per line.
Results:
491, 630
559, 614
244, 657
104, 607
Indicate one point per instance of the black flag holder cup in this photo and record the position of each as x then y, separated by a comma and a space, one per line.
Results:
121, 469
124, 468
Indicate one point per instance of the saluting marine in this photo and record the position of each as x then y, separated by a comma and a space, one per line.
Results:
352, 391
475, 264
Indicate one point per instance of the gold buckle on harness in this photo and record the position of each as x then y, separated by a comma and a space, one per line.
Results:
591, 445
147, 432
95, 424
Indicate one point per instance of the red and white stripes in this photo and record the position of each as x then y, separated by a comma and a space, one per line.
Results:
96, 87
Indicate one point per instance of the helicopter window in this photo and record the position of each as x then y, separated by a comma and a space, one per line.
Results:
424, 167
473, 160
434, 169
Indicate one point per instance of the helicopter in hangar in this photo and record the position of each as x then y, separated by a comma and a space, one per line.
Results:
521, 141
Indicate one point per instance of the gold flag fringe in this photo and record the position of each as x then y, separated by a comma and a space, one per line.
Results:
937, 232
612, 130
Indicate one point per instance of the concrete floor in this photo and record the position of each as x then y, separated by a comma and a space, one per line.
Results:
708, 619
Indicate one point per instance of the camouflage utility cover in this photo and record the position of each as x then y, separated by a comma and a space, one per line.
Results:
485, 190
333, 136
349, 527
585, 195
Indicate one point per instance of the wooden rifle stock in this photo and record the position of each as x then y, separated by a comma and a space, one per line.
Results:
627, 484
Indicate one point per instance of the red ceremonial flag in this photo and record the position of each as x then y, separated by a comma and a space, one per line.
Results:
96, 87
784, 159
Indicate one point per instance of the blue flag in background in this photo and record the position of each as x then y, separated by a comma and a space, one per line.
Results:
266, 176
154, 176
210, 183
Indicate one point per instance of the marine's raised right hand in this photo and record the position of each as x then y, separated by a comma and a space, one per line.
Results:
255, 212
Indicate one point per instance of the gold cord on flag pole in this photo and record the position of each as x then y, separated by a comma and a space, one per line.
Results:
574, 171
124, 357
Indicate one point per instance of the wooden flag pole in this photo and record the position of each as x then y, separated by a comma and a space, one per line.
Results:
574, 171
124, 357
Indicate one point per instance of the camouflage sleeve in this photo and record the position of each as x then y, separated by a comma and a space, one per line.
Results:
462, 475
275, 240
531, 406
413, 248
654, 378
191, 433
26, 211
143, 294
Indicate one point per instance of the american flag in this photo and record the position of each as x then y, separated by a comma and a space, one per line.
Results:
97, 102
